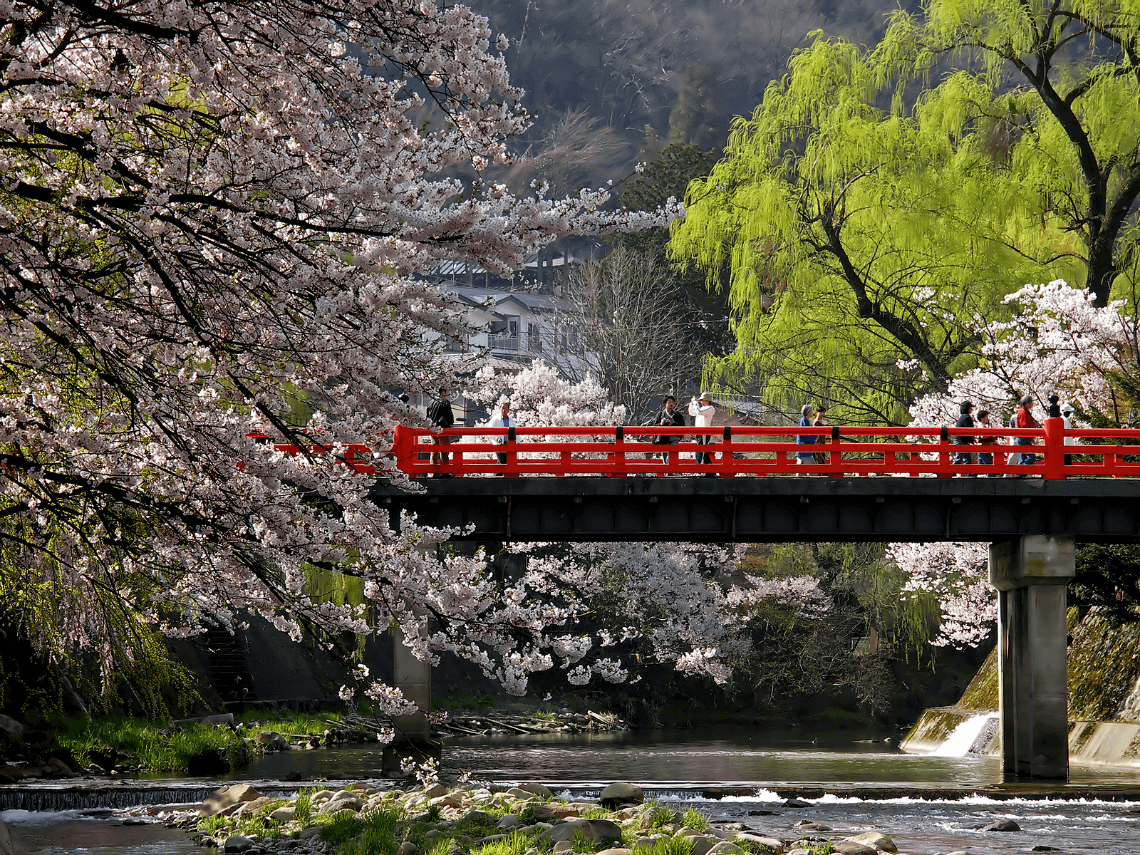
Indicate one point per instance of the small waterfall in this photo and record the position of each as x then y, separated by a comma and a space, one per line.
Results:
962, 739
54, 799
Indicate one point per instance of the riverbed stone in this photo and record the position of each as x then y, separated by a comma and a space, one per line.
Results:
520, 794
408, 848
548, 811
616, 851
10, 726
540, 790
508, 821
246, 808
703, 844
350, 802
595, 830
283, 814
6, 847
617, 794
759, 843
320, 796
273, 741
434, 791
563, 846
796, 803
852, 847
228, 798
1000, 825
447, 800
237, 844
724, 847
874, 838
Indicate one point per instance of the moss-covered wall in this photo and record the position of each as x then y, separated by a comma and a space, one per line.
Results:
1103, 669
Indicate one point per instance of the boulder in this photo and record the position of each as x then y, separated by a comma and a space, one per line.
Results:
479, 816
246, 808
350, 802
1000, 825
448, 800
283, 814
617, 851
539, 790
237, 844
508, 821
619, 794
853, 847
795, 803
551, 811
408, 848
228, 797
594, 830
520, 794
435, 791
273, 741
563, 846
10, 726
6, 847
759, 843
726, 848
59, 768
874, 838
702, 844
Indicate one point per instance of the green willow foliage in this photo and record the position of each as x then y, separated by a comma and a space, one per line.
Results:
879, 203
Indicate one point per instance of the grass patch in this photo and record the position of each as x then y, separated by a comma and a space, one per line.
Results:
153, 745
694, 819
515, 843
341, 828
668, 846
658, 815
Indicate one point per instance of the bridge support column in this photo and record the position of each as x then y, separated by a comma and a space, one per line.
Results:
413, 732
1030, 574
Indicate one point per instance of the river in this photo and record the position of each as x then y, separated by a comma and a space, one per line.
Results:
927, 803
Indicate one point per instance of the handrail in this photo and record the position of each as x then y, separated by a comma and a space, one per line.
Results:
848, 451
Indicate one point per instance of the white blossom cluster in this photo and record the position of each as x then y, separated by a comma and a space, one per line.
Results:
211, 225
1059, 341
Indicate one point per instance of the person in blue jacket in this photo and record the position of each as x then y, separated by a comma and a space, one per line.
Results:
806, 457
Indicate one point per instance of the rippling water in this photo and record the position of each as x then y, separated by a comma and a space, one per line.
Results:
928, 804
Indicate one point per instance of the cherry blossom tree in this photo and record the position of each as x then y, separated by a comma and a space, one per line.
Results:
211, 209
1057, 340
665, 602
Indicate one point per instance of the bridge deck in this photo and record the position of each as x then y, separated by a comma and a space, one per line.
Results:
773, 509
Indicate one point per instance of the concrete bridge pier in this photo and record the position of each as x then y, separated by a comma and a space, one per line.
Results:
1030, 574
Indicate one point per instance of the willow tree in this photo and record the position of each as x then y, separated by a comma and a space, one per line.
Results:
878, 203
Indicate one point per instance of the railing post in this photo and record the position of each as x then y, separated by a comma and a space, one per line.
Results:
835, 459
618, 456
403, 447
944, 454
512, 454
1054, 453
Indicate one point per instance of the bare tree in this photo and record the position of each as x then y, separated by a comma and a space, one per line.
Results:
621, 322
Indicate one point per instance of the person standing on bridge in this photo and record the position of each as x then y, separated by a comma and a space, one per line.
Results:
669, 416
502, 419
985, 458
965, 420
702, 410
1023, 418
820, 420
440, 415
1067, 415
806, 457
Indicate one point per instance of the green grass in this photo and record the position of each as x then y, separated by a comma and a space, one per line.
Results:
151, 744
657, 816
668, 846
343, 826
694, 819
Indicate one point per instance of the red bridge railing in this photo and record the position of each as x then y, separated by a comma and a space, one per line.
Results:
758, 451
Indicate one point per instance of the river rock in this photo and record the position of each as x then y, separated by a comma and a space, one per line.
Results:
237, 844
619, 794
6, 847
10, 726
449, 800
339, 803
543, 792
875, 839
246, 808
758, 843
228, 798
59, 769
724, 847
702, 844
550, 811
853, 847
1000, 825
408, 848
434, 791
562, 846
508, 820
273, 741
796, 803
616, 851
283, 814
595, 830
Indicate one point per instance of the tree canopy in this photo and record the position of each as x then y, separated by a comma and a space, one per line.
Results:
879, 203
210, 207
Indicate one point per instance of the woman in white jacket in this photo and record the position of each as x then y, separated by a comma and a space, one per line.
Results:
702, 410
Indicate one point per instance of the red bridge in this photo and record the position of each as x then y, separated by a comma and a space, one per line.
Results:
619, 452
